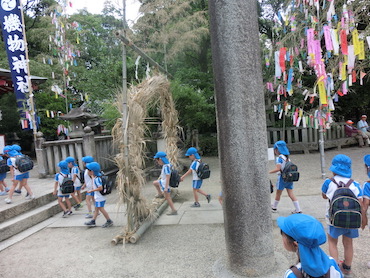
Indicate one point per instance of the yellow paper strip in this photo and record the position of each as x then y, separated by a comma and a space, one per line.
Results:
322, 92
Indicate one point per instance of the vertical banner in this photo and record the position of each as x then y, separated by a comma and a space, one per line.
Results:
15, 45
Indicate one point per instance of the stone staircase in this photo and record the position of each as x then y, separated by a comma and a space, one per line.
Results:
22, 216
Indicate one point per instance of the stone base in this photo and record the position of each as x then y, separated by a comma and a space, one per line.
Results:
281, 265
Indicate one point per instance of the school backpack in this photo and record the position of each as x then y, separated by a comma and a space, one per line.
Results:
23, 163
345, 208
203, 171
174, 178
290, 172
4, 167
107, 185
81, 177
298, 273
67, 185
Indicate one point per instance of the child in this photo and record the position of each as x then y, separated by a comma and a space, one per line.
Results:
17, 177
281, 150
341, 168
59, 177
193, 155
3, 187
303, 234
75, 174
95, 174
162, 184
366, 191
88, 185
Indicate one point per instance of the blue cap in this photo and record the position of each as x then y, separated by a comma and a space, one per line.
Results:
70, 159
163, 156
63, 165
341, 165
16, 147
7, 149
367, 163
13, 153
192, 151
282, 148
367, 160
95, 167
309, 233
88, 159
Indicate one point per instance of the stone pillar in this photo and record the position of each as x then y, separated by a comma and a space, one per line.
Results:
242, 137
40, 155
89, 143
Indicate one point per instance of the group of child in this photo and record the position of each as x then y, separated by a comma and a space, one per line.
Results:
162, 185
91, 181
304, 234
19, 179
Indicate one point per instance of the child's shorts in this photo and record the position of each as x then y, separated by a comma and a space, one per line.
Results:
162, 187
335, 232
22, 176
60, 195
90, 194
100, 204
2, 176
77, 188
197, 184
281, 184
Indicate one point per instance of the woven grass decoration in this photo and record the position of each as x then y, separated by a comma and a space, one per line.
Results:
130, 177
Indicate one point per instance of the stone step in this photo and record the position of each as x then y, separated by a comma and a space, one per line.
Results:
25, 215
14, 211
26, 220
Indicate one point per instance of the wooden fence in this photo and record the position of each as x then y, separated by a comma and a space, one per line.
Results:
307, 139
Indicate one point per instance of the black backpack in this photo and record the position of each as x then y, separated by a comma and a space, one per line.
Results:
4, 167
174, 178
107, 185
81, 177
345, 208
298, 273
203, 171
23, 163
290, 172
67, 185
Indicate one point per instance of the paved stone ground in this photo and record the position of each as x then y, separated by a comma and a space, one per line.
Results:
191, 244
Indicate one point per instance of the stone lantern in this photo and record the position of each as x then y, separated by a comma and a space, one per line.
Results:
78, 117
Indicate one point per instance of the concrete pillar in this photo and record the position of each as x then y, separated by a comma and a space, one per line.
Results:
89, 143
242, 137
40, 155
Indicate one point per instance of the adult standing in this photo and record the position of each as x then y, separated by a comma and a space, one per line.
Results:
363, 126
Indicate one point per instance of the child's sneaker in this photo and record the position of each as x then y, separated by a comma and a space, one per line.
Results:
30, 197
7, 189
346, 270
195, 205
2, 193
107, 224
90, 223
8, 201
295, 212
208, 197
88, 215
77, 206
69, 212
65, 213
18, 191
273, 209
174, 212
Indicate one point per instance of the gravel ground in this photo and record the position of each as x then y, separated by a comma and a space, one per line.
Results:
164, 251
